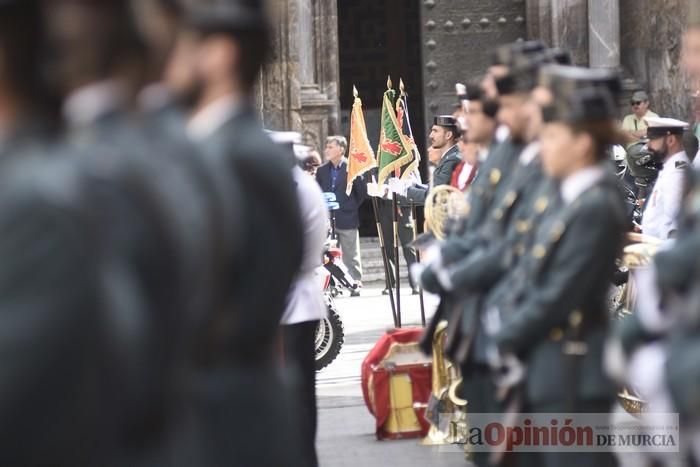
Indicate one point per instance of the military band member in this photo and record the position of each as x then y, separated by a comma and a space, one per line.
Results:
557, 323
468, 278
663, 204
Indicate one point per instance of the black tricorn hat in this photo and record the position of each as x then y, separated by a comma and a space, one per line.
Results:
523, 74
557, 55
475, 92
445, 120
507, 55
583, 105
561, 79
224, 15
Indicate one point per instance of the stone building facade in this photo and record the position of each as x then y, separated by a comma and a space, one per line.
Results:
322, 47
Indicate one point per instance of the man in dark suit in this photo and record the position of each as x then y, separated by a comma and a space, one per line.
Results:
239, 399
332, 177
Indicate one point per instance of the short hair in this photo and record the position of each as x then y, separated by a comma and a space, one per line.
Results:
339, 140
690, 143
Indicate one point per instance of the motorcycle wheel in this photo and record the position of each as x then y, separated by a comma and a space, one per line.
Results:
330, 336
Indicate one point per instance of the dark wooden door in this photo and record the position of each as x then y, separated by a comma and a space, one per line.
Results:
458, 37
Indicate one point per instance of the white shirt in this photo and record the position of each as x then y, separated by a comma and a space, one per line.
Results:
86, 104
529, 153
662, 206
696, 161
502, 133
575, 184
212, 117
463, 176
305, 298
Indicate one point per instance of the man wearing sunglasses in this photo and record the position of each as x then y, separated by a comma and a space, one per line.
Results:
634, 125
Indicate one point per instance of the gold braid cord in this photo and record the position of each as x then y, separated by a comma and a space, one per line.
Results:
443, 204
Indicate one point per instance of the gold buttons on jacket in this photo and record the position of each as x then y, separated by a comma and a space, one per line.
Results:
510, 198
539, 251
495, 176
557, 231
556, 334
523, 226
575, 318
541, 204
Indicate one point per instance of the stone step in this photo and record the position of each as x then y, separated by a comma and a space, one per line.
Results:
372, 263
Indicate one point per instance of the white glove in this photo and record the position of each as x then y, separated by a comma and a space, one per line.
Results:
398, 186
375, 190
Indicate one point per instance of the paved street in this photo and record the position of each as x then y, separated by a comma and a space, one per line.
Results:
346, 428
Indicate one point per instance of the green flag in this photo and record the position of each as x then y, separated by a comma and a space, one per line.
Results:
395, 149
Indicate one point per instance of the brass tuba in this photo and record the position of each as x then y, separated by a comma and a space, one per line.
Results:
443, 205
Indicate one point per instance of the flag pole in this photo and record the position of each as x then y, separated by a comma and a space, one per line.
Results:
420, 289
395, 209
365, 141
385, 261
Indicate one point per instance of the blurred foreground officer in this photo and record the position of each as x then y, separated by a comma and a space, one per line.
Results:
240, 401
557, 322
50, 327
662, 207
305, 306
154, 221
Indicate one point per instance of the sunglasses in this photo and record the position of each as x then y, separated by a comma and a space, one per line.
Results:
636, 103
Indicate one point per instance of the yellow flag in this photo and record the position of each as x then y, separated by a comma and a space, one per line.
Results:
360, 154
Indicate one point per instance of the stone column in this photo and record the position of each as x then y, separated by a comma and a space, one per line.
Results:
298, 89
539, 20
570, 28
604, 33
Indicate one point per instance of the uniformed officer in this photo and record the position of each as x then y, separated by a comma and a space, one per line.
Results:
443, 137
159, 224
662, 206
239, 395
557, 320
655, 349
51, 338
493, 171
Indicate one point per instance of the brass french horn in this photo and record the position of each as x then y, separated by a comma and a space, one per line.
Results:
443, 205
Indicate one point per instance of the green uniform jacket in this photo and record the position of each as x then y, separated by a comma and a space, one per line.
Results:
568, 270
492, 176
441, 176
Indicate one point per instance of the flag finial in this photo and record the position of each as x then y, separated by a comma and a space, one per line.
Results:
354, 91
389, 84
401, 88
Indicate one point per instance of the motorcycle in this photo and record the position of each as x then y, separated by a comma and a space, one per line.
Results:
330, 334
340, 276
